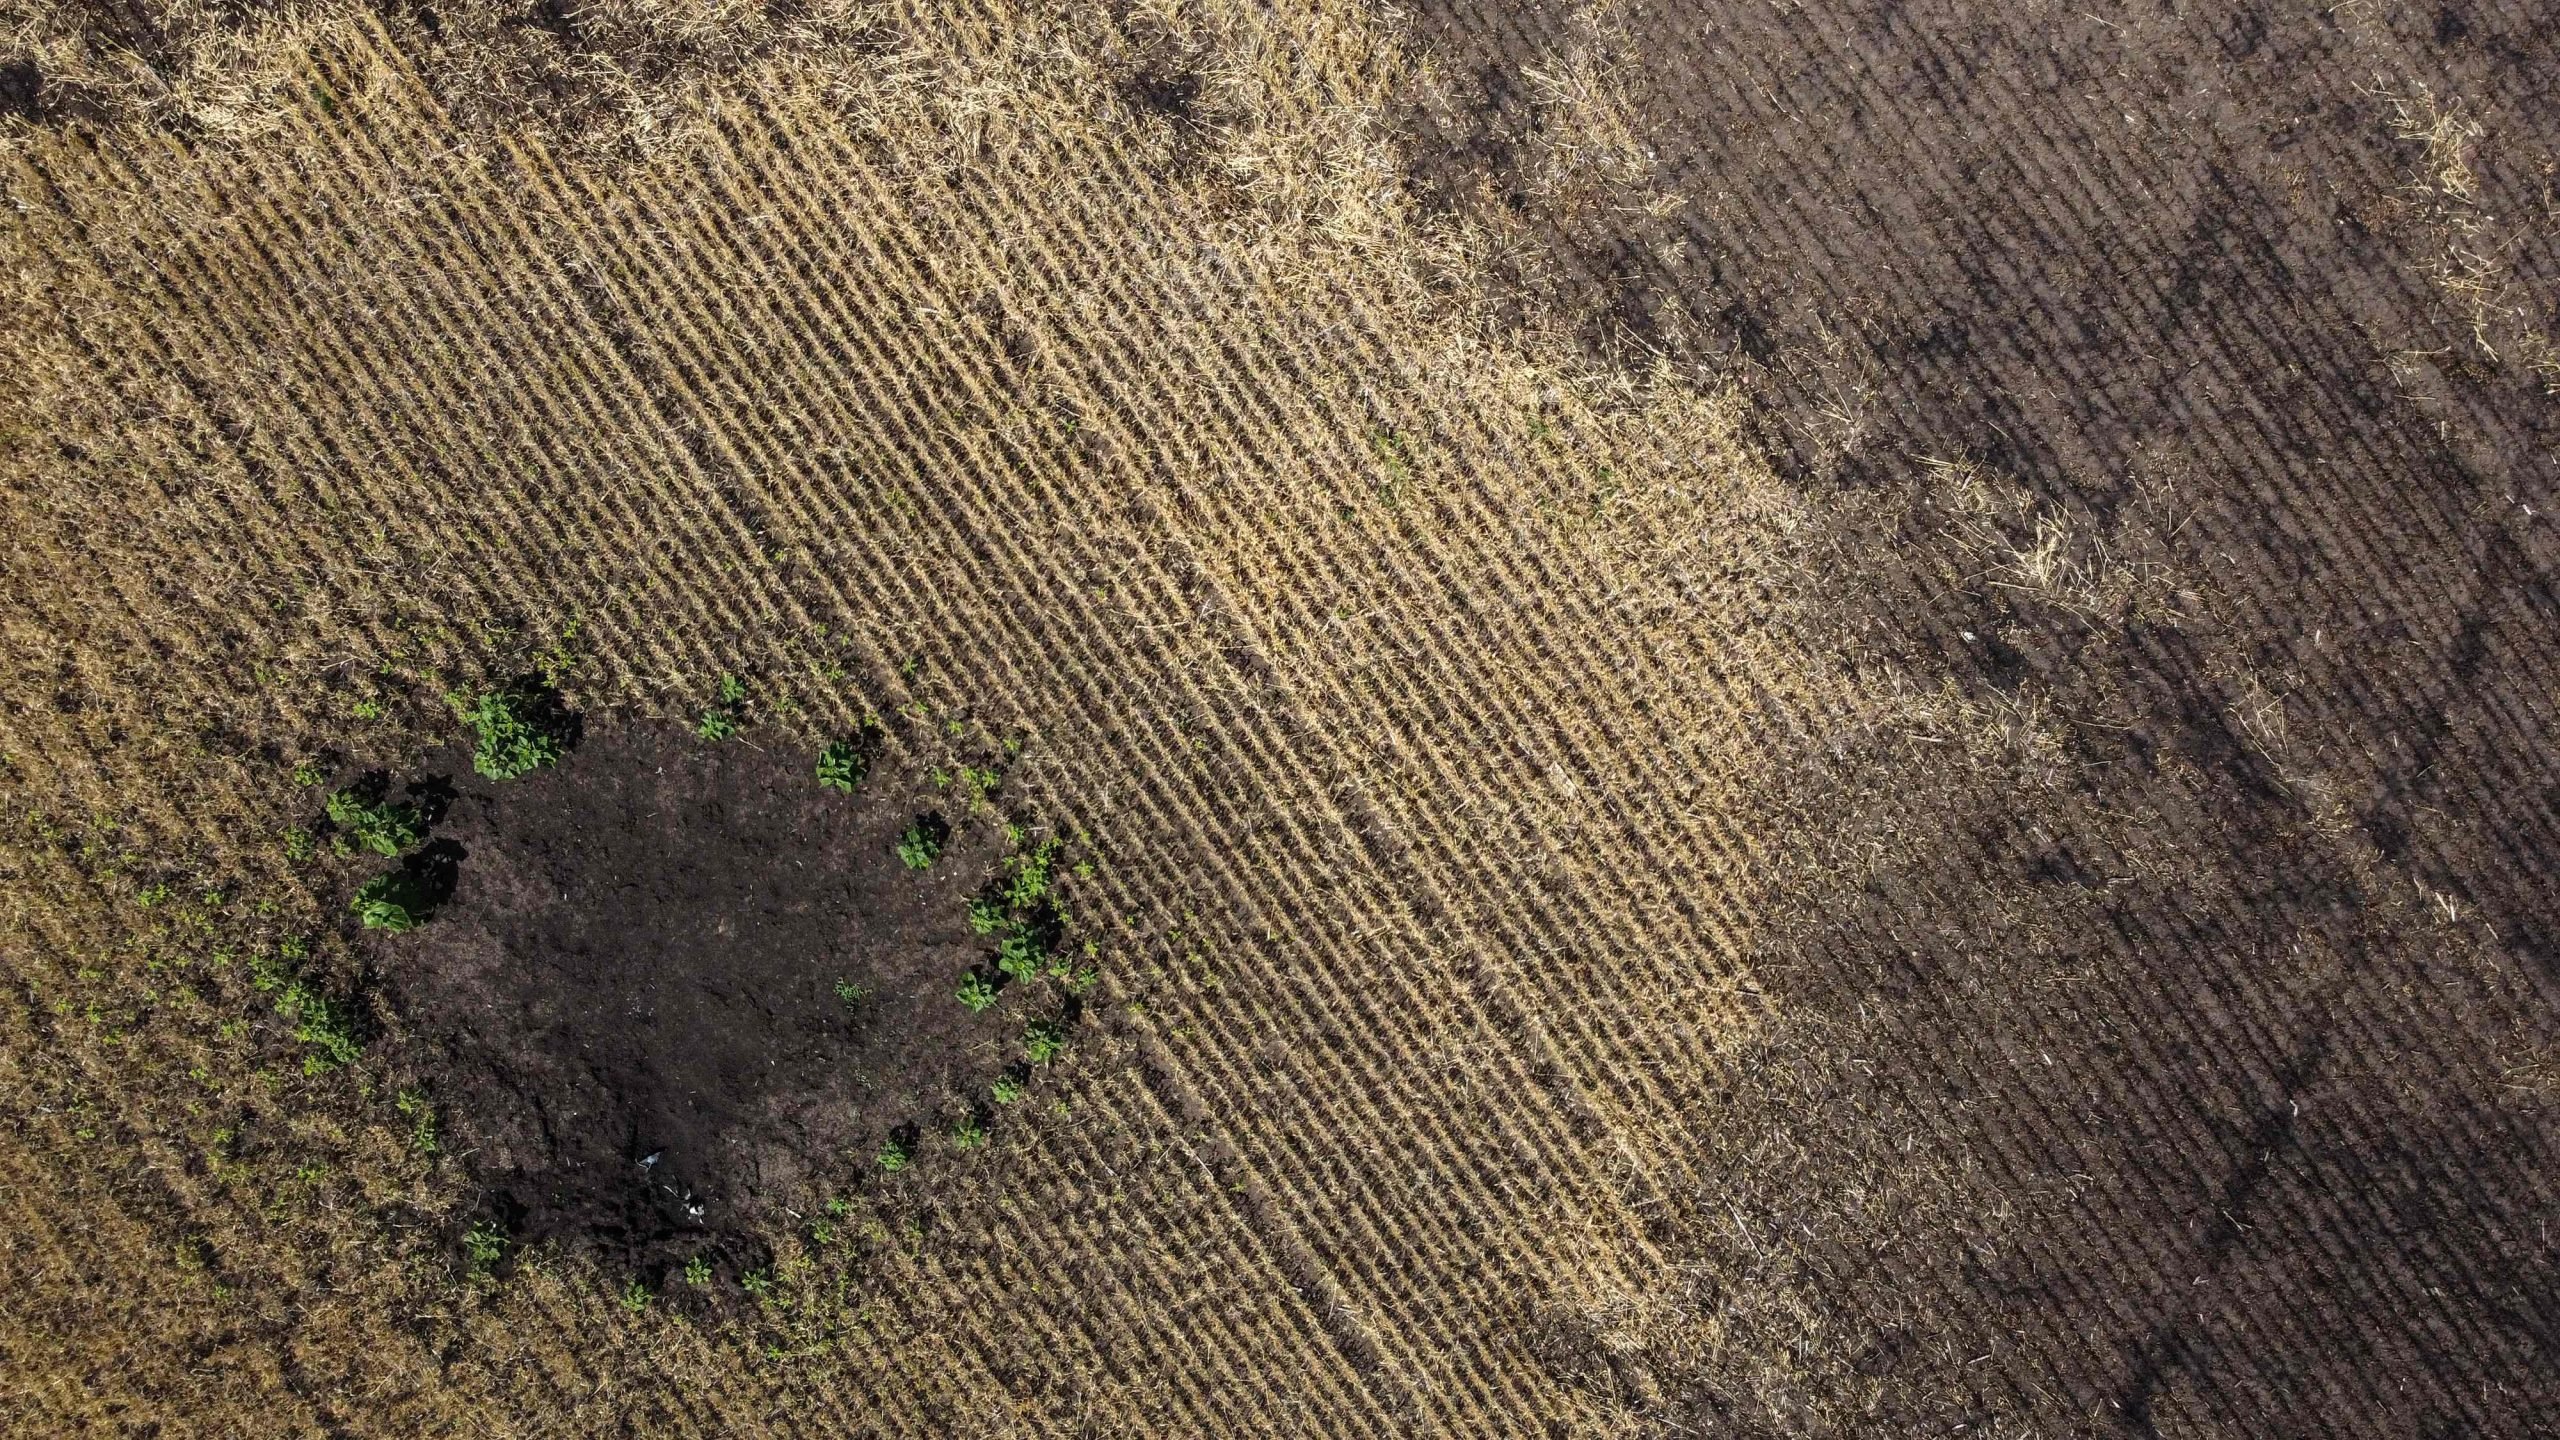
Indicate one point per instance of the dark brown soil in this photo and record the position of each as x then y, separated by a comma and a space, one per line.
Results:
632, 1002
2201, 1085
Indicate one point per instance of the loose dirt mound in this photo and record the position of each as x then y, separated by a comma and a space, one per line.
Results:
680, 987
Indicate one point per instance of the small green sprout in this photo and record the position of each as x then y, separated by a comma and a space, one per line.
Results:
482, 1244
976, 993
422, 1118
697, 1272
976, 783
893, 1155
1008, 1089
733, 691
1043, 1041
969, 1133
986, 916
715, 725
635, 1297
299, 844
850, 993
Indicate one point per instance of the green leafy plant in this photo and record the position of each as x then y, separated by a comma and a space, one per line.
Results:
482, 1244
976, 992
319, 1022
1019, 907
377, 825
391, 902
850, 993
969, 1132
922, 843
987, 916
1008, 1089
1043, 1041
1021, 955
635, 1297
1034, 873
893, 1156
299, 844
697, 1272
518, 730
842, 765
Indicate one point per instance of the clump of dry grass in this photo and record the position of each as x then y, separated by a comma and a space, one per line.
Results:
2469, 263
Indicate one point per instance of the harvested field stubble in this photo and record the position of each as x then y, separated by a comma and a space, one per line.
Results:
1597, 931
1027, 374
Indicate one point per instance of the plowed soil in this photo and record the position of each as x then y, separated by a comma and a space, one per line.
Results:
2186, 387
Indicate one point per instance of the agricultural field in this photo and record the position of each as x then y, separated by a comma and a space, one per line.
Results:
1191, 718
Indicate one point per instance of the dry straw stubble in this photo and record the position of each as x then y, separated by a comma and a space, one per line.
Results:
1079, 378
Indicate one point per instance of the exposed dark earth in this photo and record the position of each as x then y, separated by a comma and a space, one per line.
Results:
2178, 388
679, 986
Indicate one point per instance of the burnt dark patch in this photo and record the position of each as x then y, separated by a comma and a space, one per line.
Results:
1172, 94
21, 90
678, 989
